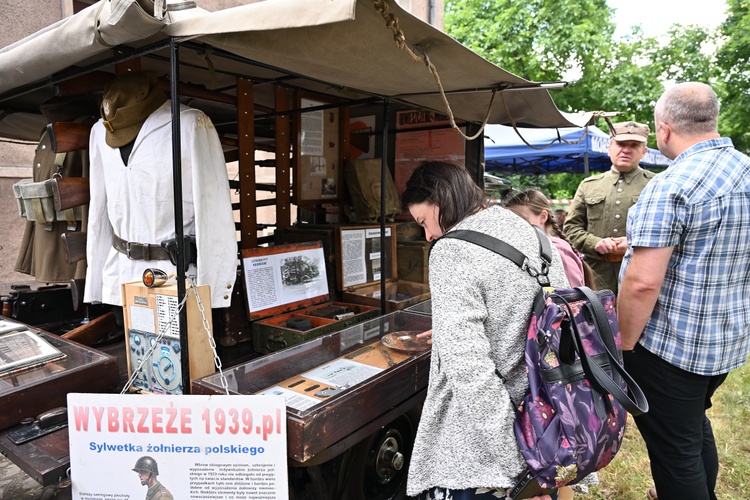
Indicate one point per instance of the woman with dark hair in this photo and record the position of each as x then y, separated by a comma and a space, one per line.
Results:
465, 446
532, 205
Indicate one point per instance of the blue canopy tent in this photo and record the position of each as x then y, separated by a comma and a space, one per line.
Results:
569, 151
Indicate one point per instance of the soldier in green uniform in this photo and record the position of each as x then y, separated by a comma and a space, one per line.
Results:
147, 471
595, 225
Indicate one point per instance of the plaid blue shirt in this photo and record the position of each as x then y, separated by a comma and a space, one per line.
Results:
701, 206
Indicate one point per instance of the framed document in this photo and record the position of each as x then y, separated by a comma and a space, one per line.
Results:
317, 173
25, 349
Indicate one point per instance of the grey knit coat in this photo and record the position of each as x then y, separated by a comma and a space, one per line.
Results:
481, 304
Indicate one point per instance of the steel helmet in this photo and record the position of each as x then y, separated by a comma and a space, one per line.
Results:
146, 464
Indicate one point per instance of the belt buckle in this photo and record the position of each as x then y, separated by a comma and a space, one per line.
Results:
127, 250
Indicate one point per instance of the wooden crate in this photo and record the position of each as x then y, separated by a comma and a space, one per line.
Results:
273, 334
399, 294
271, 331
413, 260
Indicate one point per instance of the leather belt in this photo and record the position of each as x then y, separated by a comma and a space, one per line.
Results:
612, 257
139, 251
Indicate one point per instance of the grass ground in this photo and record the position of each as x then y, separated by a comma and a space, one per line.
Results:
628, 476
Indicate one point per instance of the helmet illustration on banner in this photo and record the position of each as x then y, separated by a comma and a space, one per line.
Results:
146, 464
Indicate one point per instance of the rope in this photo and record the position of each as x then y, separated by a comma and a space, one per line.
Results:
391, 22
206, 56
596, 115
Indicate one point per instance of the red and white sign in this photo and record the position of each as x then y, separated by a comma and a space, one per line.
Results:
204, 447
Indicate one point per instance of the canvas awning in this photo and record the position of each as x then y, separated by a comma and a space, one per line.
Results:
341, 48
572, 150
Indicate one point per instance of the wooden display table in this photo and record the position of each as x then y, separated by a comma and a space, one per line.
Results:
321, 424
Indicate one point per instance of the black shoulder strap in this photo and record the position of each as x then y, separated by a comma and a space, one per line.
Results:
633, 400
510, 252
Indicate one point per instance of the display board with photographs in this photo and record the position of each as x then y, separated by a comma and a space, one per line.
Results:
318, 164
362, 255
284, 277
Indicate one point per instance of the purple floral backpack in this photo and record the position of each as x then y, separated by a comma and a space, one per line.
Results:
572, 420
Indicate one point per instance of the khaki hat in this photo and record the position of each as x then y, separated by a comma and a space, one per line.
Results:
631, 131
127, 102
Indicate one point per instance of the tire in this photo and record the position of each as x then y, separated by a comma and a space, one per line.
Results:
371, 468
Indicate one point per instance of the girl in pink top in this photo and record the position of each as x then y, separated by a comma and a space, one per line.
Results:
532, 205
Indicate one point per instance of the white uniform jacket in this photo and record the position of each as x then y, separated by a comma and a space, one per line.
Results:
136, 202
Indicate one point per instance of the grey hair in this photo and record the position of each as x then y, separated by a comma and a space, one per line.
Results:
691, 109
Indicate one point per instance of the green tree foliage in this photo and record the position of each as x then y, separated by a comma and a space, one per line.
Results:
555, 186
634, 79
540, 40
734, 60
549, 40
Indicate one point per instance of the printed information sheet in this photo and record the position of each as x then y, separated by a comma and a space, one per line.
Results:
278, 279
203, 447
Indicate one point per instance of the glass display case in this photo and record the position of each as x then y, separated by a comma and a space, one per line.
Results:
424, 307
338, 384
32, 390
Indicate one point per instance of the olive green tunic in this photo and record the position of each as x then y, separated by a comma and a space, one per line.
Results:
158, 492
600, 210
42, 253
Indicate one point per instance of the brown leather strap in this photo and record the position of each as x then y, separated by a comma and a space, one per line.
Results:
612, 257
139, 251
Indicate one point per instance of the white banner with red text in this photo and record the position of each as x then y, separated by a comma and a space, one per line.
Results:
123, 447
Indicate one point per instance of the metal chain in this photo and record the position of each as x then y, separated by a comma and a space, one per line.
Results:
211, 341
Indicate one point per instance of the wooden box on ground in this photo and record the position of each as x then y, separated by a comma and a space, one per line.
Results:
324, 418
413, 260
287, 290
29, 392
152, 336
361, 259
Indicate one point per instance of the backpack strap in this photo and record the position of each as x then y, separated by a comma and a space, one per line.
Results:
517, 257
510, 252
634, 401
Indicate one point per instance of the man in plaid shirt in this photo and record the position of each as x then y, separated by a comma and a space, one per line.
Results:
683, 308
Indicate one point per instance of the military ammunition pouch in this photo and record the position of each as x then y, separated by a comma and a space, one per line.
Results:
36, 204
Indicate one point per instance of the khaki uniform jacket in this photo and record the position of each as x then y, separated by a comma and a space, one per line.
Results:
42, 252
600, 210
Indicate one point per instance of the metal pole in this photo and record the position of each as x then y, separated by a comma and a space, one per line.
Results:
385, 257
586, 164
178, 222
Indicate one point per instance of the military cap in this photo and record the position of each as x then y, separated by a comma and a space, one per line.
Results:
630, 131
126, 103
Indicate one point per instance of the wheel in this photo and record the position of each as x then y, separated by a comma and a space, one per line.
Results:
376, 468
